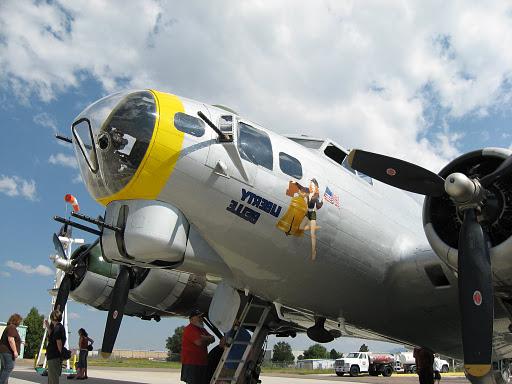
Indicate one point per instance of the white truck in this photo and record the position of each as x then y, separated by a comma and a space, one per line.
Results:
405, 363
374, 364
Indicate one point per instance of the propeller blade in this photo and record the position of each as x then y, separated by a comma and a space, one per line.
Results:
116, 311
475, 296
397, 173
58, 247
503, 169
63, 293
85, 253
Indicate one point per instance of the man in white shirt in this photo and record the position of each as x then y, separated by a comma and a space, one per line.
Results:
437, 368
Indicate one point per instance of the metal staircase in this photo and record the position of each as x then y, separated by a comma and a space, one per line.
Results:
254, 315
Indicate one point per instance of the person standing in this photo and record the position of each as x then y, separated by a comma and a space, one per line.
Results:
194, 350
83, 345
437, 368
56, 342
9, 347
424, 365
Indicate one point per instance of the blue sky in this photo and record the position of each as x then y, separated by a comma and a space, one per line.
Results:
422, 81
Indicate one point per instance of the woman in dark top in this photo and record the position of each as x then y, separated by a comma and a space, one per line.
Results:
9, 347
83, 344
56, 342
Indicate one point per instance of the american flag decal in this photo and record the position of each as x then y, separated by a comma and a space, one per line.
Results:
331, 197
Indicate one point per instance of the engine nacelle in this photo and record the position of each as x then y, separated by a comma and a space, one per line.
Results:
155, 234
173, 292
442, 221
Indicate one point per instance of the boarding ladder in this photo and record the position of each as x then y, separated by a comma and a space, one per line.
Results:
252, 353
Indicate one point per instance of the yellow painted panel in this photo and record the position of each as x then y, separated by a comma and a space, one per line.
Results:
477, 370
161, 157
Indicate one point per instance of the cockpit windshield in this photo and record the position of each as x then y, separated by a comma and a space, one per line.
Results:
111, 138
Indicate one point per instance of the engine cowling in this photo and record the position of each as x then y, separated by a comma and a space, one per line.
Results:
154, 293
442, 221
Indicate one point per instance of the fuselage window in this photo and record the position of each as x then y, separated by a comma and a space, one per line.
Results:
346, 165
255, 146
189, 124
335, 153
290, 165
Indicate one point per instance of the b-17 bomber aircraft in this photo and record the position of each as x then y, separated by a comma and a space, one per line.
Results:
316, 237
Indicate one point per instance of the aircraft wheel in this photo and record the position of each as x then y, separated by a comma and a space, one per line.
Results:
444, 368
354, 371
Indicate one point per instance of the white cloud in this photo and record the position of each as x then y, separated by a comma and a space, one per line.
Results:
42, 270
5, 274
343, 73
73, 315
46, 120
63, 160
16, 186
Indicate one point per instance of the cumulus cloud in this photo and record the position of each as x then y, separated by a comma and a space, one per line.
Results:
63, 160
363, 73
14, 186
41, 270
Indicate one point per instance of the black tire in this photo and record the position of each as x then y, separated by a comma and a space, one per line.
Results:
387, 371
413, 369
340, 373
373, 373
354, 371
444, 369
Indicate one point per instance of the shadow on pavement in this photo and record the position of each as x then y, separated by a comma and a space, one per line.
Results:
36, 378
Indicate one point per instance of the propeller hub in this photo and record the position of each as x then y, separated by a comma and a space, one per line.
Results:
62, 264
460, 187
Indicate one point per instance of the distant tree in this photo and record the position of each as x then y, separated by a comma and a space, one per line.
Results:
35, 331
173, 344
363, 348
300, 357
283, 353
316, 351
335, 354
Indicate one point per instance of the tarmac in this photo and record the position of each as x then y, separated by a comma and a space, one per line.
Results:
27, 375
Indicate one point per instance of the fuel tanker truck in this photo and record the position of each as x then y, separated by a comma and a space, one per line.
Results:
407, 363
372, 363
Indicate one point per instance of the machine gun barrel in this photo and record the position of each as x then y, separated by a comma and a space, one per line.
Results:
77, 225
99, 223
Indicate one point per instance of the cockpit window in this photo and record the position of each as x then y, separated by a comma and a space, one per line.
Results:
290, 165
255, 146
122, 126
82, 133
333, 152
189, 124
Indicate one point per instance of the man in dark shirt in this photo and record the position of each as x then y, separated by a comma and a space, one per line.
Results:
56, 342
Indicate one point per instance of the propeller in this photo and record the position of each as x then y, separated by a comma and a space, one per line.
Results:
65, 283
476, 299
116, 311
397, 173
69, 267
